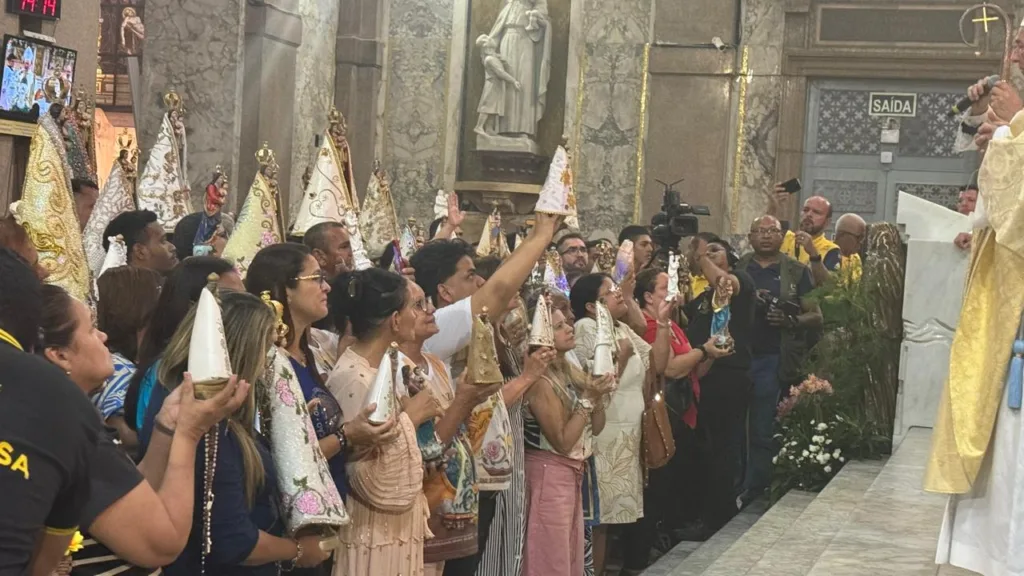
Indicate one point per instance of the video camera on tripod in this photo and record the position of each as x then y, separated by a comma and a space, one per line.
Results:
677, 220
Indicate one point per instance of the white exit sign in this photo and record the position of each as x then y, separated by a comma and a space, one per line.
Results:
892, 104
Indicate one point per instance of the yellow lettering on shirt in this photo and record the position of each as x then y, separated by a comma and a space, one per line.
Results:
20, 461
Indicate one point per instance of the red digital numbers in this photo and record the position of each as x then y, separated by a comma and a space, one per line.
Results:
50, 8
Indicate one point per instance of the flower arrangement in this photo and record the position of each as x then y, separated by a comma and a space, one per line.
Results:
816, 438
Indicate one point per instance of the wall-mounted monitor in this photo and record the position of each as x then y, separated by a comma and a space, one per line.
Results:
34, 73
40, 8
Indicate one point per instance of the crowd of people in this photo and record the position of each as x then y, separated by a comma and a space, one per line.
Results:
538, 470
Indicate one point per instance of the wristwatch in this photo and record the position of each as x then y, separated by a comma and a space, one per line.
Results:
815, 258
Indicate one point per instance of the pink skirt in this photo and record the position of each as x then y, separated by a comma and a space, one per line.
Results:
554, 515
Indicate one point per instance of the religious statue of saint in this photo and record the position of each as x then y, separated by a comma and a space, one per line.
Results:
516, 55
215, 198
720, 320
133, 31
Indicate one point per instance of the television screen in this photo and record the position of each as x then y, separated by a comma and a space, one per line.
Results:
34, 73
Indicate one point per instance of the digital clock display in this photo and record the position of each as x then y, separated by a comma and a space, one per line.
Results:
40, 8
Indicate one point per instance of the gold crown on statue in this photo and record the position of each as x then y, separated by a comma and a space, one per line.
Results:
172, 101
483, 357
337, 120
265, 155
125, 140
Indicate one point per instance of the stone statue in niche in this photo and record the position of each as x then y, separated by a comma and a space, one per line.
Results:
516, 55
133, 31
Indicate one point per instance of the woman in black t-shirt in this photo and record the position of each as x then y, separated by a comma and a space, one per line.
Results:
141, 525
726, 387
48, 434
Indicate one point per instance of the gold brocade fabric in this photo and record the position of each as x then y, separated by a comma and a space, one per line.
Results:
991, 311
378, 220
115, 198
47, 212
256, 227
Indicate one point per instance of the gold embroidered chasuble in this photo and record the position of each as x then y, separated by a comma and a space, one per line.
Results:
982, 346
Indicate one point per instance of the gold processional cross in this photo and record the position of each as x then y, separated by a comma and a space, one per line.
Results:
984, 20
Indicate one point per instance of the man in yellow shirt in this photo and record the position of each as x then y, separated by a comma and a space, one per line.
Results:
851, 231
808, 245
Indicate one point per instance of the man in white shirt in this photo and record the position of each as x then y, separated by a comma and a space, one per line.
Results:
447, 274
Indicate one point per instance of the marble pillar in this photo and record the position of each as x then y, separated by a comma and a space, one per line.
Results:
412, 118
358, 63
314, 86
756, 99
605, 108
196, 47
270, 110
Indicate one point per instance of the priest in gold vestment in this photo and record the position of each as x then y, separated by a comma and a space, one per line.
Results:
977, 454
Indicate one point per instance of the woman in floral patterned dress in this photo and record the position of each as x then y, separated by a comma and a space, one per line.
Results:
620, 483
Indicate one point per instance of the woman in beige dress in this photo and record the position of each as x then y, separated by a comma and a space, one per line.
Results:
386, 505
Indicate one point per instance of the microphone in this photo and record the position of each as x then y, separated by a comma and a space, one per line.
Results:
965, 102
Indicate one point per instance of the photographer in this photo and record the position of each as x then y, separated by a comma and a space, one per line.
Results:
778, 347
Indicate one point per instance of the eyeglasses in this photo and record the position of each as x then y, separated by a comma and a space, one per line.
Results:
318, 276
766, 232
576, 250
420, 306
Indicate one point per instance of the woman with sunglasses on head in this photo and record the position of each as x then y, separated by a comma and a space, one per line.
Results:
290, 274
618, 448
244, 523
179, 293
564, 410
387, 508
142, 515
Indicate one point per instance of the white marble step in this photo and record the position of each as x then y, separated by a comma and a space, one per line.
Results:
894, 529
696, 562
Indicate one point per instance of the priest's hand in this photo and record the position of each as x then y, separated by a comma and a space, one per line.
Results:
963, 240
361, 432
980, 98
1006, 101
984, 135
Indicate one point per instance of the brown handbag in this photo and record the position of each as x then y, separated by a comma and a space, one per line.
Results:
658, 443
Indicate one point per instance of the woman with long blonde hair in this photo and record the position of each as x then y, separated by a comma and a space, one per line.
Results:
244, 522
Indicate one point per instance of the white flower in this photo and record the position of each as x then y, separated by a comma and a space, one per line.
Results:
818, 439
775, 459
812, 422
782, 450
814, 448
842, 459
793, 443
790, 456
828, 469
822, 427
806, 454
827, 442
840, 418
825, 457
837, 453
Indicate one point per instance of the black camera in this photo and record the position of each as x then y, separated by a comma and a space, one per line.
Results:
768, 301
677, 220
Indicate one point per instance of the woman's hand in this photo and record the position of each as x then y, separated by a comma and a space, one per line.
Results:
625, 350
471, 395
195, 417
665, 311
312, 554
421, 407
714, 351
537, 363
599, 386
361, 432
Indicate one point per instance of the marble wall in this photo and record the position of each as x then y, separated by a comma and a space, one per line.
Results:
196, 47
412, 121
756, 114
314, 84
606, 123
